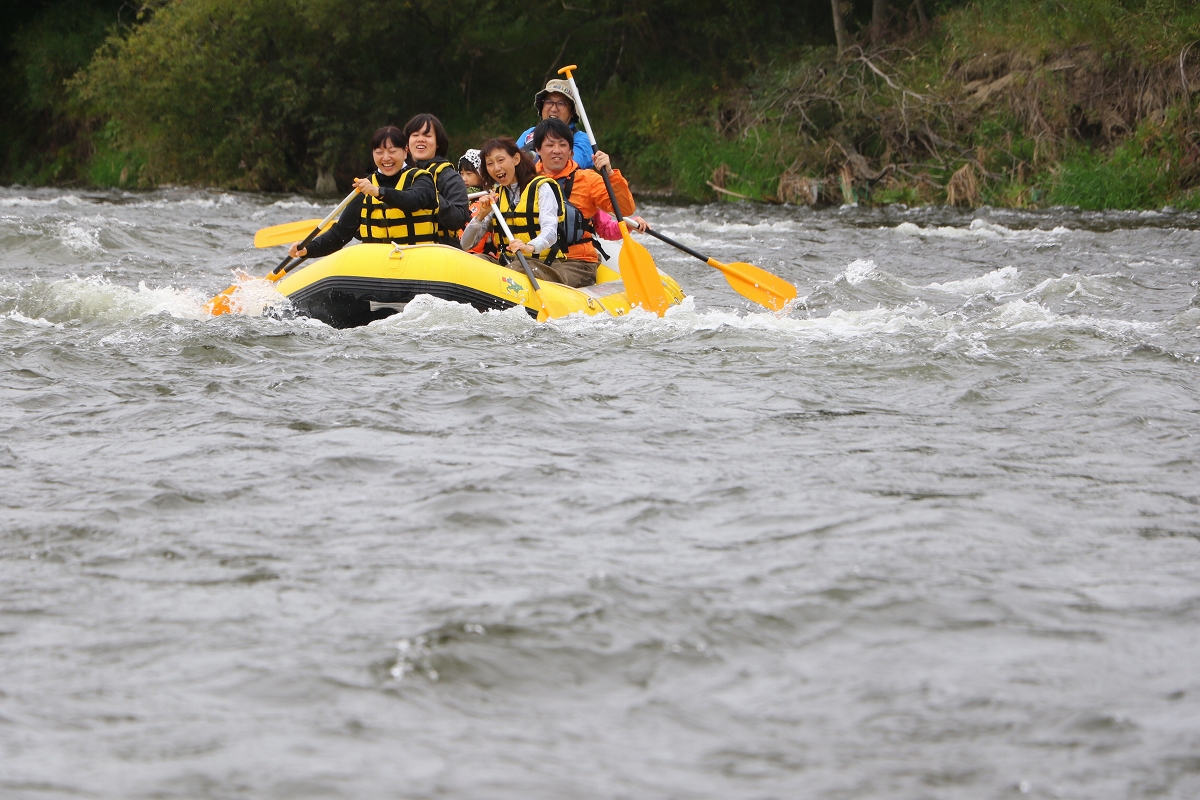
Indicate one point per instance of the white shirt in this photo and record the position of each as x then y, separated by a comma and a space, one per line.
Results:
547, 220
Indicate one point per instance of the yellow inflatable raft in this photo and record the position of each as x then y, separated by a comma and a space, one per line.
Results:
366, 282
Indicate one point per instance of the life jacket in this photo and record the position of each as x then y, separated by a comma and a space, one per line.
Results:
575, 228
522, 219
443, 236
380, 223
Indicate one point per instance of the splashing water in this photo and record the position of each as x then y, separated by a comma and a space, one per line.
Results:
930, 533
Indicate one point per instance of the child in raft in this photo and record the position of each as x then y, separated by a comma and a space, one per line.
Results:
395, 204
470, 168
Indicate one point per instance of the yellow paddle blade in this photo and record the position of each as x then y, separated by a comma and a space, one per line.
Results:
643, 287
287, 233
221, 303
755, 283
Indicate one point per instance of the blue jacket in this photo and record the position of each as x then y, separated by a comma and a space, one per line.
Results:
583, 146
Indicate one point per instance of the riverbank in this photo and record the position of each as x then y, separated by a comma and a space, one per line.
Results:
1004, 104
1018, 104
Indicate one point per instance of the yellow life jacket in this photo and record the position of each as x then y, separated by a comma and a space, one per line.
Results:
444, 236
380, 223
523, 219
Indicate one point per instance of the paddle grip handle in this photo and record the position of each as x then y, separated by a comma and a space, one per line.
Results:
587, 126
674, 243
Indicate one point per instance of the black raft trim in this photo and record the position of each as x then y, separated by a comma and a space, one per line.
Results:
345, 302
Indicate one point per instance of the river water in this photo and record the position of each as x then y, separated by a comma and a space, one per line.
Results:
935, 533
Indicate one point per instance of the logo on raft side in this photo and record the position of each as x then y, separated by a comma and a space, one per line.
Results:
512, 287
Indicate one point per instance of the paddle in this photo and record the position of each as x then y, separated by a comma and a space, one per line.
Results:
643, 286
221, 304
747, 280
289, 232
552, 309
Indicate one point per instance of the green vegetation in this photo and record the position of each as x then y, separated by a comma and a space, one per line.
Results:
1160, 162
1019, 103
265, 93
41, 141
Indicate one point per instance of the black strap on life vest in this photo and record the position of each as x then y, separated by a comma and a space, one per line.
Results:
575, 228
523, 217
443, 235
381, 223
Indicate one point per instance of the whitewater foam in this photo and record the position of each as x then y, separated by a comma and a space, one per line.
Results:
81, 238
428, 314
980, 229
298, 204
859, 271
29, 202
95, 298
994, 281
36, 322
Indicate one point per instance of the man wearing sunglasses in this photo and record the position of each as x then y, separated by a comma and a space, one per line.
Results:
557, 101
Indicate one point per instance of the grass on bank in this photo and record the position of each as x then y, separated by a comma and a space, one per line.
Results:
1020, 103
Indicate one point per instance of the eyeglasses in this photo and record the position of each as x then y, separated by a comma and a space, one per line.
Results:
563, 104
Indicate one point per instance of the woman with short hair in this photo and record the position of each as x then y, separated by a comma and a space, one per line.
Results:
395, 204
426, 142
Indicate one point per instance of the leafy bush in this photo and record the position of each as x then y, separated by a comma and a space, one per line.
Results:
262, 93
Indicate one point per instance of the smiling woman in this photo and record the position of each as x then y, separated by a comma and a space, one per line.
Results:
396, 204
532, 206
427, 144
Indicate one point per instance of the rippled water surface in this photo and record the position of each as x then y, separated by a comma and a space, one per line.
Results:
932, 534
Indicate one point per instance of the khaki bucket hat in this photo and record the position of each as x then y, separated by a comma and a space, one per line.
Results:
556, 85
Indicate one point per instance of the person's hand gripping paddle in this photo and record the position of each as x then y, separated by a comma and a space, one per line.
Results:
643, 286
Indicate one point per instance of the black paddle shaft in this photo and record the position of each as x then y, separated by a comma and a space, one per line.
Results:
284, 266
674, 243
611, 194
528, 272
